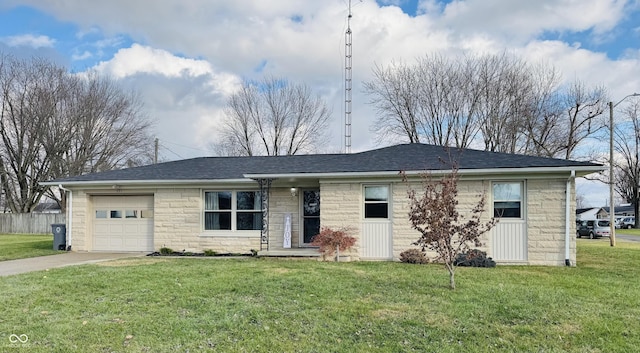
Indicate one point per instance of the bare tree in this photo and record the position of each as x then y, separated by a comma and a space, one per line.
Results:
583, 106
433, 212
504, 85
55, 124
627, 168
581, 201
544, 136
448, 100
432, 101
107, 131
394, 94
23, 113
273, 117
498, 101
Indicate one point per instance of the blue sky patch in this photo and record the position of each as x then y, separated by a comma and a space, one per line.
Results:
83, 49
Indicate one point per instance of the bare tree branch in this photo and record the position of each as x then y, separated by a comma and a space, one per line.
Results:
273, 117
498, 101
54, 124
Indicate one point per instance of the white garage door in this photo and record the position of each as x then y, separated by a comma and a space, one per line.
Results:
123, 223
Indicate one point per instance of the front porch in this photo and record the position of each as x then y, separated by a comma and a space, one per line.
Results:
294, 252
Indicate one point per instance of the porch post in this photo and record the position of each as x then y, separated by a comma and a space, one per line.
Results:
265, 186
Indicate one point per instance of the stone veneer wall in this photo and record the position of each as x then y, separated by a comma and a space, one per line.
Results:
280, 203
178, 219
178, 225
178, 222
340, 207
469, 193
545, 211
546, 201
80, 222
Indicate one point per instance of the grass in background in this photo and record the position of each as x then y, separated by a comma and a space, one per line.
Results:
271, 305
19, 246
631, 231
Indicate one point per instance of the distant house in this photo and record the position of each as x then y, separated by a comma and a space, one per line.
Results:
236, 204
591, 213
622, 210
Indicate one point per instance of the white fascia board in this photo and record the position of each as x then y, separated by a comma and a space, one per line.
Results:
583, 170
148, 182
250, 178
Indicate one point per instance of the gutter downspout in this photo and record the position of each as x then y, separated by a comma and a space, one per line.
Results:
567, 240
69, 213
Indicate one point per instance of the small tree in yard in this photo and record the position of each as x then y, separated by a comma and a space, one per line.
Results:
434, 213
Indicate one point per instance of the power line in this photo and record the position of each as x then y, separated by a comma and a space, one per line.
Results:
169, 150
185, 146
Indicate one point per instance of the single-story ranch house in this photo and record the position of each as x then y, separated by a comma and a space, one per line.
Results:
276, 204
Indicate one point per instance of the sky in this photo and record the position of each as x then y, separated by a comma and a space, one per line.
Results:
185, 57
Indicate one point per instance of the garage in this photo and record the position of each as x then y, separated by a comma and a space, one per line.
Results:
122, 223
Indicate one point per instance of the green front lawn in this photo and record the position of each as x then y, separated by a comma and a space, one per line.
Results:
271, 305
19, 246
631, 231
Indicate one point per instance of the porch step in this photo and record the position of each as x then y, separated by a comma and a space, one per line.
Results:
290, 253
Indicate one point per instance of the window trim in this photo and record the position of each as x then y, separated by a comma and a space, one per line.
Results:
365, 202
128, 213
522, 199
233, 211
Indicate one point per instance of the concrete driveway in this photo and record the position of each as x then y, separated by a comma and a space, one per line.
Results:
14, 267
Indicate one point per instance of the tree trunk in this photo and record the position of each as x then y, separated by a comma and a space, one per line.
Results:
452, 280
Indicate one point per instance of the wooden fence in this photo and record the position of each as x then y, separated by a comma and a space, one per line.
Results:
29, 223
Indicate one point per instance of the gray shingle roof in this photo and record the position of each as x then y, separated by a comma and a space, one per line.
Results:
405, 157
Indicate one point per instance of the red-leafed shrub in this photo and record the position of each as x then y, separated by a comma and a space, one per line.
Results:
332, 241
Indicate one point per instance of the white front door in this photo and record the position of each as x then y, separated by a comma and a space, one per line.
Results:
376, 242
509, 236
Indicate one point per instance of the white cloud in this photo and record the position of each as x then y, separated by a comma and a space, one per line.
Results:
519, 21
29, 40
595, 193
81, 34
391, 2
222, 41
621, 76
144, 59
81, 56
184, 96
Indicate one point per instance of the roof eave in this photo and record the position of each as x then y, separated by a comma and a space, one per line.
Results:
142, 182
250, 178
579, 170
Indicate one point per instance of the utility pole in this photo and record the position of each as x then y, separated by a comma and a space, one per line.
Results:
155, 155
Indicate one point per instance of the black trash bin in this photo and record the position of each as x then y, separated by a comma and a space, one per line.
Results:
59, 236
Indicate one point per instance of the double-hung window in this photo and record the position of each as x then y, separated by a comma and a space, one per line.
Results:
507, 199
232, 210
376, 201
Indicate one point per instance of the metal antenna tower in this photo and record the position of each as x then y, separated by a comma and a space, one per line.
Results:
347, 84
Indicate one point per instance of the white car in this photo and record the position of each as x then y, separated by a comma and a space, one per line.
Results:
626, 222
